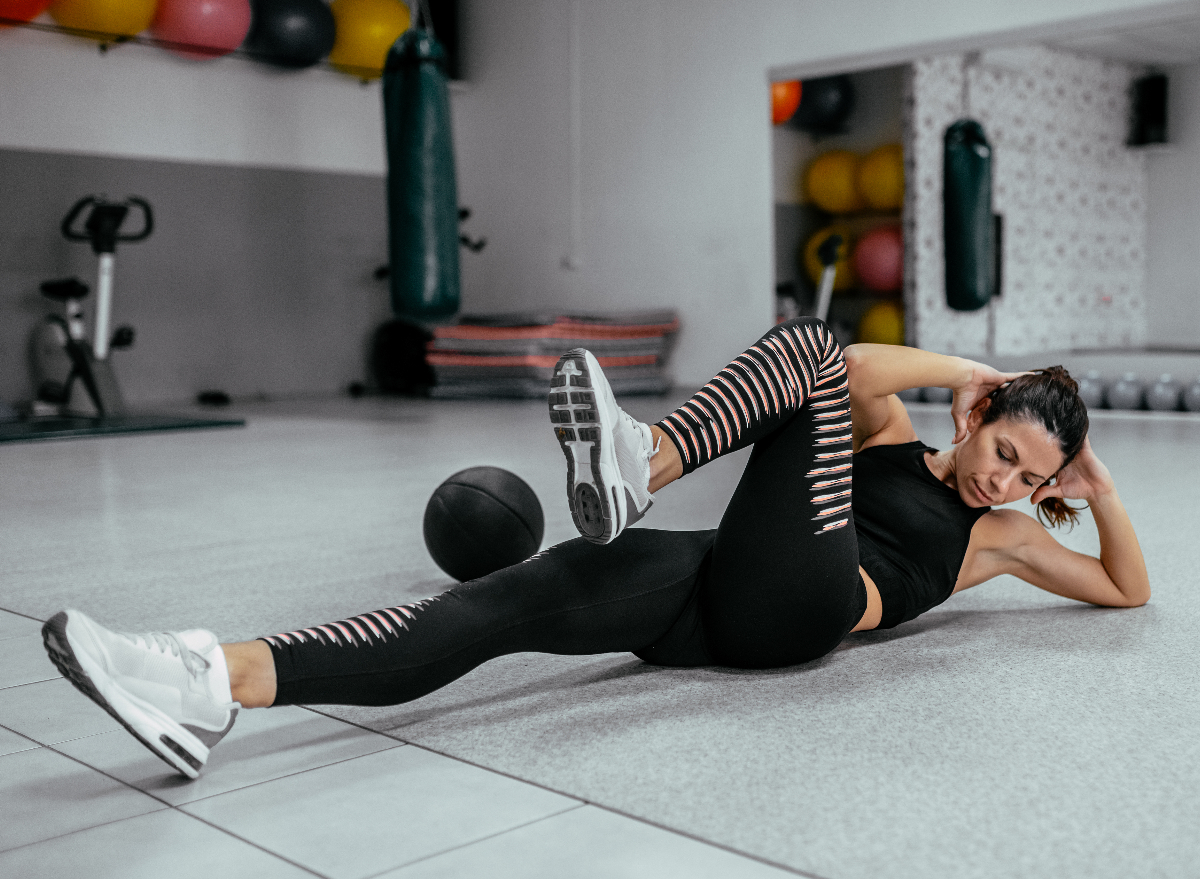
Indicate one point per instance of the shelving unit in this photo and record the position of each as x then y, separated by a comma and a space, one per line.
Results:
877, 119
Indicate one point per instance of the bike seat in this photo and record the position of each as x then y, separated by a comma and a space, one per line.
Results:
65, 289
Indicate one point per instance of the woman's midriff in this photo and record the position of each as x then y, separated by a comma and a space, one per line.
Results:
874, 612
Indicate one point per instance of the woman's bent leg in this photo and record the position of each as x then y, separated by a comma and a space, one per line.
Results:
574, 598
783, 584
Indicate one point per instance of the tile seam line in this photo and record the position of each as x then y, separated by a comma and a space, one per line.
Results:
584, 801
27, 683
17, 613
455, 848
399, 744
165, 806
250, 842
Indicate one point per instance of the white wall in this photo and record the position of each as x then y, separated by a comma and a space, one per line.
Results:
675, 155
1072, 195
1173, 280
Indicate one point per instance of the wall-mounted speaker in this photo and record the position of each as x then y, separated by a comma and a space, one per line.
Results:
1149, 122
447, 26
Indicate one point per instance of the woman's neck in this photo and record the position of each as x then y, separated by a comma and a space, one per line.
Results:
943, 465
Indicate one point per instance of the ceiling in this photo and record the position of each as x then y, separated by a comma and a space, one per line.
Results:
1163, 44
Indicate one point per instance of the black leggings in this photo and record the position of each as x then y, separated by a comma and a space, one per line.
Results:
775, 584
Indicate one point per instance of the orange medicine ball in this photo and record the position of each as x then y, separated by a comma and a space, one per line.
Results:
785, 98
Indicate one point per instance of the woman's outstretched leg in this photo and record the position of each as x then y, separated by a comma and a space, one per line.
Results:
179, 692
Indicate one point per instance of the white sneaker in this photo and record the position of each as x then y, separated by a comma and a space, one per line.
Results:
170, 689
608, 451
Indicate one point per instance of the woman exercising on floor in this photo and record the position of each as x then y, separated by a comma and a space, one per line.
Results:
794, 566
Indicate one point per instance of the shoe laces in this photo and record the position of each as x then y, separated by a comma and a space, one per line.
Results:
170, 642
633, 428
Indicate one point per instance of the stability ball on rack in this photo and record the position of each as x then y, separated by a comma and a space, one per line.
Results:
290, 33
21, 10
831, 182
880, 177
205, 29
879, 259
785, 98
366, 30
825, 104
105, 18
883, 323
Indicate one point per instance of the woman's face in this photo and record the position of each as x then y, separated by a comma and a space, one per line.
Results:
1004, 461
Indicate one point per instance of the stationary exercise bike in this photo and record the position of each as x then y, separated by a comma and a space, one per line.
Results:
61, 344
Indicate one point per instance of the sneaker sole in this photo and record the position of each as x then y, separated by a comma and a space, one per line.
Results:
594, 490
162, 736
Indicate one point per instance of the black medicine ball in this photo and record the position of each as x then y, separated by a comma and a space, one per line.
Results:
825, 105
290, 33
480, 520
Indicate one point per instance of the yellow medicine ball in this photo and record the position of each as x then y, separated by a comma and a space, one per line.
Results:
118, 18
366, 30
844, 275
883, 323
831, 182
880, 177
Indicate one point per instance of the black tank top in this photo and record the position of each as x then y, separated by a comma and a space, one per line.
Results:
912, 529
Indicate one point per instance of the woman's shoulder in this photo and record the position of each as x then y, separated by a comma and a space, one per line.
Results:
897, 429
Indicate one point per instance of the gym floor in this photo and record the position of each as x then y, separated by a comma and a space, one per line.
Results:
1006, 733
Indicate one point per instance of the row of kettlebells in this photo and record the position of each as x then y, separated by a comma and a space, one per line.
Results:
1127, 392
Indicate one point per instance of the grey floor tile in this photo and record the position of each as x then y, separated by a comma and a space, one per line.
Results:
10, 742
589, 843
166, 843
25, 661
44, 794
50, 712
263, 745
358, 818
14, 625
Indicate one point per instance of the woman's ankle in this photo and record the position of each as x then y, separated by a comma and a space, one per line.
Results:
665, 464
251, 673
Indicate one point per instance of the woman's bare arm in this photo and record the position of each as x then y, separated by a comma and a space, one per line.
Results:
1118, 578
877, 372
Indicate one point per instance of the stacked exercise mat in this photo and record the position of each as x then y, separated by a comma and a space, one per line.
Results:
513, 355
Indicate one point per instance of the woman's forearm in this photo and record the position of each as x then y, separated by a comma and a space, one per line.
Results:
879, 370
1120, 552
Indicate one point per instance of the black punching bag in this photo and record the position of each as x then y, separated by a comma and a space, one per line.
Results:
970, 231
422, 193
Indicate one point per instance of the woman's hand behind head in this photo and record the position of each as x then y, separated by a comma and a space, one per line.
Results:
1083, 479
982, 382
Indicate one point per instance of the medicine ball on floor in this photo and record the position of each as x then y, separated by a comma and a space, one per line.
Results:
480, 520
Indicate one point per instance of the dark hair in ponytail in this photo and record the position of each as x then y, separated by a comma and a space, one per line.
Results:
1049, 397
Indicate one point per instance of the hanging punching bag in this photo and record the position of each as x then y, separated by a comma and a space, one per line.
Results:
970, 236
422, 194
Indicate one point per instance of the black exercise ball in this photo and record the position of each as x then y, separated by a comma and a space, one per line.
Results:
825, 105
290, 33
480, 520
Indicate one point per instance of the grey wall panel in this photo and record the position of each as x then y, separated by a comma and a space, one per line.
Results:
255, 281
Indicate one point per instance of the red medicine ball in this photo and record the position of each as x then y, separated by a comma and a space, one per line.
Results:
879, 259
